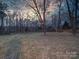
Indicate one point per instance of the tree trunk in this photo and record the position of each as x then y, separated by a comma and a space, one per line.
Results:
2, 24
75, 19
59, 19
44, 19
70, 15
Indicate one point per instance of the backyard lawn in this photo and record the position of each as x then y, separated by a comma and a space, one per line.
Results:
37, 46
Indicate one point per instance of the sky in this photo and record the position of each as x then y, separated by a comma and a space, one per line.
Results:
14, 4
22, 6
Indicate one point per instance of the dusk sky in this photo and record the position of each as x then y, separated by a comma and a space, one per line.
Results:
22, 7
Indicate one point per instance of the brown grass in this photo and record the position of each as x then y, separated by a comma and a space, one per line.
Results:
37, 46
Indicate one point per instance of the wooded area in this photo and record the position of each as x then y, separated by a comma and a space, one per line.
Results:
66, 14
39, 29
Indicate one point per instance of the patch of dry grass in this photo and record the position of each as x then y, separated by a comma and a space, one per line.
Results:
51, 46
4, 41
37, 46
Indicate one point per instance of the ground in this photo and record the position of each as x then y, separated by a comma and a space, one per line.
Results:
37, 46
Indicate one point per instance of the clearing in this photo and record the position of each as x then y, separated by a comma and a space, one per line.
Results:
37, 46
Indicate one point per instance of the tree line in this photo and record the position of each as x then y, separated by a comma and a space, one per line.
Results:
41, 10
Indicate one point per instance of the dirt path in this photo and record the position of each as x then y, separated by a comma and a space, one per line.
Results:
13, 48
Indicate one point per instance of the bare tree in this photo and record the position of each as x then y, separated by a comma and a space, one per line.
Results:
3, 7
40, 7
72, 16
75, 19
37, 10
59, 12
